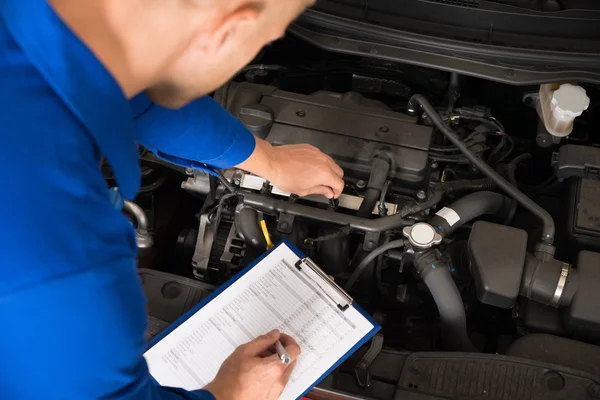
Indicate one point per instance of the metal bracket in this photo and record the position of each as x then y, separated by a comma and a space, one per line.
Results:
203, 248
285, 223
371, 241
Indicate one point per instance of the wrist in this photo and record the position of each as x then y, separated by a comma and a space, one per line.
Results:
261, 162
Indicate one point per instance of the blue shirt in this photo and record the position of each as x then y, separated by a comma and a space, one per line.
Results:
72, 310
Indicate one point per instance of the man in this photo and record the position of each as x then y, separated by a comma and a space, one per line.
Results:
71, 305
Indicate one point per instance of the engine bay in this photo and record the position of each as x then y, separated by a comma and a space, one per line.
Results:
465, 226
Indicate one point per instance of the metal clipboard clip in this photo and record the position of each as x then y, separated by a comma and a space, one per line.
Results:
329, 287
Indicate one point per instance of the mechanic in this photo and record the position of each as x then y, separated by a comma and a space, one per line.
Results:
85, 80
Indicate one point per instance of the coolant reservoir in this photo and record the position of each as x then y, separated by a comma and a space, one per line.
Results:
559, 105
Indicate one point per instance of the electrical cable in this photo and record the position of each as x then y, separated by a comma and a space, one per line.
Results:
369, 259
549, 229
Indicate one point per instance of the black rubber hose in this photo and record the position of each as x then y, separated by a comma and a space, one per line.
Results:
541, 282
379, 172
369, 259
436, 275
462, 185
248, 225
548, 223
468, 208
511, 172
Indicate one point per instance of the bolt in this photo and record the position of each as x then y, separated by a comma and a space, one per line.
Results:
384, 129
370, 245
594, 391
434, 165
284, 226
237, 182
361, 184
415, 368
189, 171
335, 40
421, 195
510, 72
301, 113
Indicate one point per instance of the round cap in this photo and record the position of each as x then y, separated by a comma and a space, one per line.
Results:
258, 118
422, 235
570, 100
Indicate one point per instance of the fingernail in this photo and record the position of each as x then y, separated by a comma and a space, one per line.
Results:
329, 196
274, 332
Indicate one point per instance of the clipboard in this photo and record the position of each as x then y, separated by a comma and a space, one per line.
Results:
305, 266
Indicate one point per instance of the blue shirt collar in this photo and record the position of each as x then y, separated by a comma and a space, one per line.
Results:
81, 81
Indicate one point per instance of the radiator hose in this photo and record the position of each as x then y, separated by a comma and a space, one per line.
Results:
467, 209
436, 275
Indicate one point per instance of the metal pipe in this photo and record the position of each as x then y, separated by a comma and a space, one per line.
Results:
273, 206
142, 235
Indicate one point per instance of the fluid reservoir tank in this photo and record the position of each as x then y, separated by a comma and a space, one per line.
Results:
559, 105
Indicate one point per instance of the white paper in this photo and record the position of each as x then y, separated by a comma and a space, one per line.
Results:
449, 215
272, 295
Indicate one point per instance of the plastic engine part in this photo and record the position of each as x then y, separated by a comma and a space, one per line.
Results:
461, 376
497, 254
582, 316
348, 127
169, 297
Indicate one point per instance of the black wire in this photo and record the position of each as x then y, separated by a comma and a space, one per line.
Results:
497, 150
443, 149
449, 159
369, 259
225, 182
512, 169
549, 228
508, 151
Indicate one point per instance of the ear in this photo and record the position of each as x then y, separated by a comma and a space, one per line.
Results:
237, 22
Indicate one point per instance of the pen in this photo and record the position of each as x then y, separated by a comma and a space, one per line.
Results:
283, 355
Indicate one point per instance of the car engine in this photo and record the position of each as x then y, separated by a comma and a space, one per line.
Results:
466, 224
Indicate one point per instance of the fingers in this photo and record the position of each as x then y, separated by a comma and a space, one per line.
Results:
323, 190
292, 348
336, 168
261, 344
337, 186
288, 373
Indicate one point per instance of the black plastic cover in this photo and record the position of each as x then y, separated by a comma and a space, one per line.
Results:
583, 315
578, 161
558, 350
348, 127
169, 297
497, 254
461, 376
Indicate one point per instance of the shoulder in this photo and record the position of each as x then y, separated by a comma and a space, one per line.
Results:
57, 219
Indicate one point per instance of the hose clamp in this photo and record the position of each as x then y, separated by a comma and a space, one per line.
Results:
560, 286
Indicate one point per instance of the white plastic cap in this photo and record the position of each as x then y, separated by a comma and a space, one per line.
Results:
569, 101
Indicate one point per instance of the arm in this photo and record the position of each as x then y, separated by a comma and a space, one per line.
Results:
203, 133
71, 303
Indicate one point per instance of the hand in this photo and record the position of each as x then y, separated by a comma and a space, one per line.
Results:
300, 169
254, 371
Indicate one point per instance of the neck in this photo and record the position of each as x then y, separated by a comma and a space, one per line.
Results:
91, 22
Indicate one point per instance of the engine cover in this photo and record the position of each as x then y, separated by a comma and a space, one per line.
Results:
348, 127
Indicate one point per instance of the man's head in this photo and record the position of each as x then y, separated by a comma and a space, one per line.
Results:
177, 50
229, 35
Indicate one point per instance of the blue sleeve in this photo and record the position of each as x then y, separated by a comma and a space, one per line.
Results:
200, 135
72, 309
80, 337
